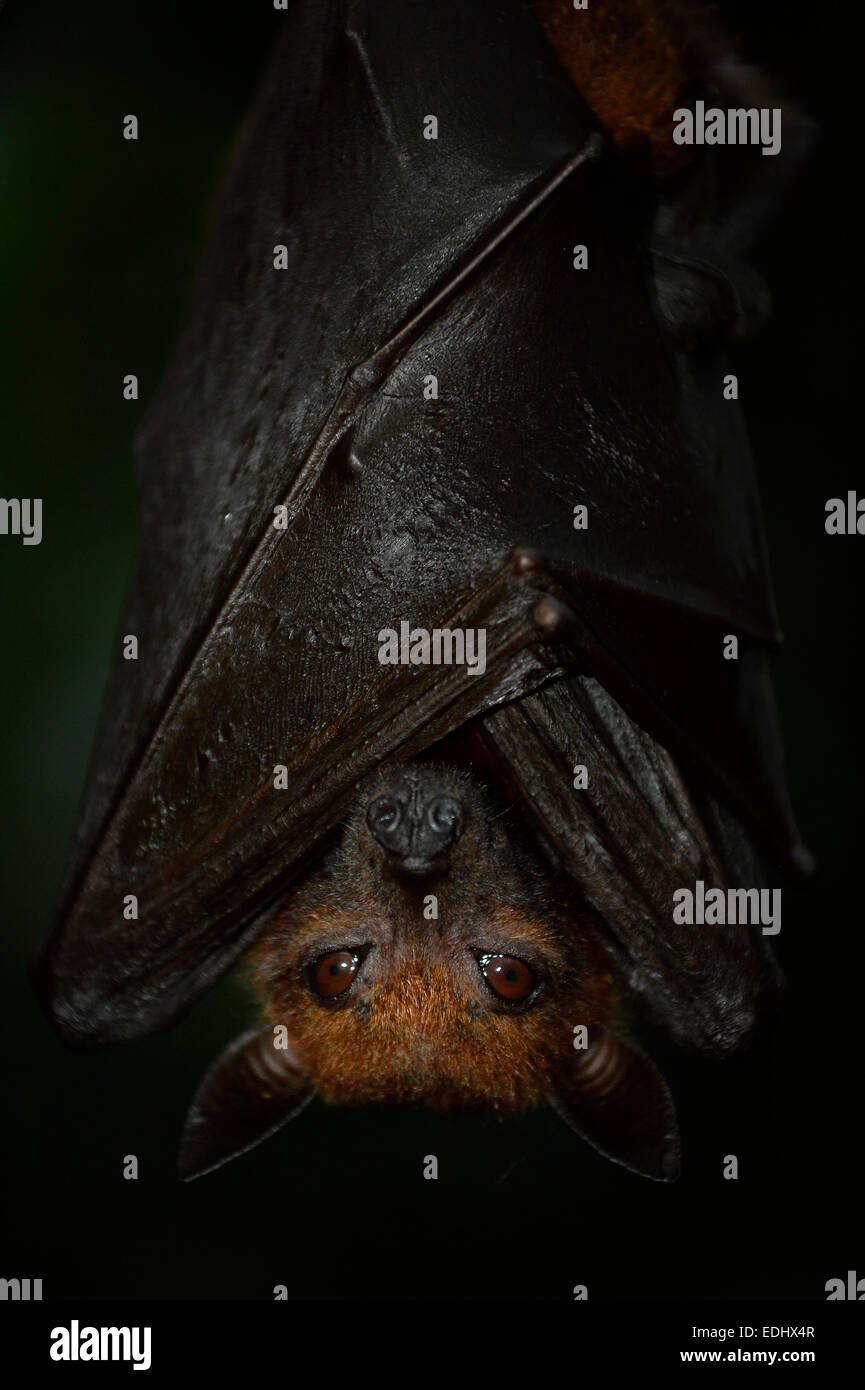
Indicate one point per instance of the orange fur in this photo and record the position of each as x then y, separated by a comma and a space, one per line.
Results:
421, 1038
633, 61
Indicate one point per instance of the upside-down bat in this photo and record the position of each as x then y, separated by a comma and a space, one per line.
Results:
456, 365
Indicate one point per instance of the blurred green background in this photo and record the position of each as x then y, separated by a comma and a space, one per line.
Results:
98, 242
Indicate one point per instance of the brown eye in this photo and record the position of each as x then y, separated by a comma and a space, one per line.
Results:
332, 974
508, 977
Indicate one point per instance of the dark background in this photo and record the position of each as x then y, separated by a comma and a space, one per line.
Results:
98, 241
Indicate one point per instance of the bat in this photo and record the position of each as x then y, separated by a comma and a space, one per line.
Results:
445, 660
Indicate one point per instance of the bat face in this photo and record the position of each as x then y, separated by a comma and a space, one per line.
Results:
430, 962
427, 963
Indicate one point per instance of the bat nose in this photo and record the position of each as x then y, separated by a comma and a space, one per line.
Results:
416, 825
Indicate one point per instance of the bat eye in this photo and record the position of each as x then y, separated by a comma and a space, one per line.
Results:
332, 974
444, 813
508, 977
383, 814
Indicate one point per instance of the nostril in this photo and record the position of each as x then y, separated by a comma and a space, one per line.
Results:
415, 824
383, 816
444, 816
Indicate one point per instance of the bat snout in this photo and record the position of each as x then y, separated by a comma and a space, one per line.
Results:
416, 824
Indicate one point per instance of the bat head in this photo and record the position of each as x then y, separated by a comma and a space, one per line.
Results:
427, 964
430, 962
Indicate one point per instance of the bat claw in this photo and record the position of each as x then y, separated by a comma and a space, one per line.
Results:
551, 617
524, 560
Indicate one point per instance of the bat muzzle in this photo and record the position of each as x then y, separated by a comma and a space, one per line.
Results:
416, 824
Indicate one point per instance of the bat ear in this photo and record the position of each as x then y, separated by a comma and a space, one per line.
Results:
251, 1091
616, 1099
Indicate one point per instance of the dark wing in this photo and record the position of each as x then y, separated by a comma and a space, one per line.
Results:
630, 839
303, 388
